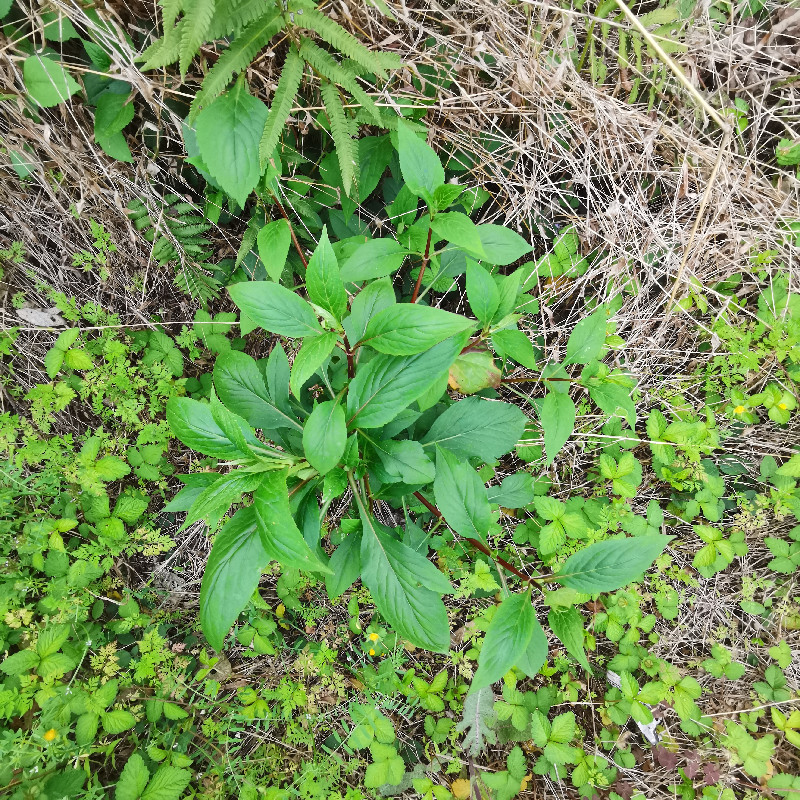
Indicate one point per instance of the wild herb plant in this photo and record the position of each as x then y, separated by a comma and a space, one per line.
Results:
362, 416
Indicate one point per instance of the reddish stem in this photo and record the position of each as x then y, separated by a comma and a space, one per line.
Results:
351, 367
425, 259
291, 231
478, 545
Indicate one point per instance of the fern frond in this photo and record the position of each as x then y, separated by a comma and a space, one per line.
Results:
359, 94
232, 16
169, 12
342, 130
254, 38
324, 63
288, 84
197, 18
327, 66
248, 240
163, 51
388, 118
197, 283
336, 36
388, 60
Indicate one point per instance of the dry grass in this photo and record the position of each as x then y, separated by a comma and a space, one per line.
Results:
665, 197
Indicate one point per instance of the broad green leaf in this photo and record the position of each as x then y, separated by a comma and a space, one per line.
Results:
240, 385
325, 436
477, 428
386, 385
446, 195
233, 427
516, 345
192, 422
47, 82
167, 784
278, 378
115, 146
587, 339
323, 283
433, 394
506, 640
474, 370
375, 297
482, 293
405, 586
310, 357
231, 575
791, 469
77, 359
609, 565
56, 664
57, 26
422, 171
86, 729
501, 245
387, 768
615, 400
509, 291
51, 639
18, 663
405, 329
280, 536
460, 230
558, 421
345, 566
404, 461
374, 155
275, 308
461, 496
117, 721
531, 661
133, 779
112, 115
274, 241
228, 134
373, 259
215, 500
567, 624
53, 360
174, 712
625, 475
516, 491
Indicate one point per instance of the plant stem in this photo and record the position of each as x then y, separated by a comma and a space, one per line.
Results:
425, 259
478, 545
539, 378
351, 367
291, 231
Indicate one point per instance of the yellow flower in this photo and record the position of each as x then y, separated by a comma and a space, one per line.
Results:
371, 652
50, 735
373, 637
738, 410
782, 406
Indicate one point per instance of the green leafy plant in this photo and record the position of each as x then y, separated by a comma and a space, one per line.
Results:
177, 229
363, 408
235, 132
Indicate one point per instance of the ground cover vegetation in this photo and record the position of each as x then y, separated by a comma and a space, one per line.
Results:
387, 414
